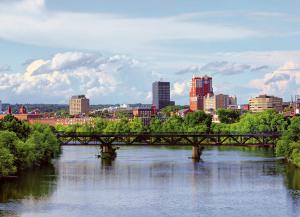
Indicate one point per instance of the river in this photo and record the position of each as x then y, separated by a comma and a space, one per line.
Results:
156, 181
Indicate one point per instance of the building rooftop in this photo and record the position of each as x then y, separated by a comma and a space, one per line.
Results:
266, 96
78, 97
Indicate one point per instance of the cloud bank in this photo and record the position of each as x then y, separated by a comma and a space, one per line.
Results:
31, 22
105, 79
283, 81
222, 68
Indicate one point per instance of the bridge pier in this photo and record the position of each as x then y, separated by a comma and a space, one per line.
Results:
197, 152
108, 152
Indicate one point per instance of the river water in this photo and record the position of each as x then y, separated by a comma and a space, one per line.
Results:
156, 181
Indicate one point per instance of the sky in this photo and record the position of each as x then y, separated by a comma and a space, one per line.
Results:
113, 50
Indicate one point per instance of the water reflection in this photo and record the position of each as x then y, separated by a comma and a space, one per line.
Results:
147, 181
34, 184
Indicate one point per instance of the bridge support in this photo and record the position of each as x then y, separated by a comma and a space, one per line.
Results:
197, 152
108, 152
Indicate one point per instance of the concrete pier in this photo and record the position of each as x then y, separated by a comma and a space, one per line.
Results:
197, 152
108, 152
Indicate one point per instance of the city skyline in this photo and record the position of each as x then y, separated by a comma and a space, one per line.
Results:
248, 49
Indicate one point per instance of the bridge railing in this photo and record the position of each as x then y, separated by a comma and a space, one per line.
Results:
109, 134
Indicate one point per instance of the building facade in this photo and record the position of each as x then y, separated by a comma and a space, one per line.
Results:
161, 94
200, 87
265, 102
145, 114
1, 107
79, 105
214, 102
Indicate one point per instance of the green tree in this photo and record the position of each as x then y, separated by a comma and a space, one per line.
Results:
136, 125
10, 123
289, 144
118, 126
228, 116
194, 119
155, 125
99, 125
7, 166
173, 124
172, 108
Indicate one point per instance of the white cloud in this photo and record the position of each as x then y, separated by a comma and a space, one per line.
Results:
221, 67
29, 21
284, 81
180, 89
104, 79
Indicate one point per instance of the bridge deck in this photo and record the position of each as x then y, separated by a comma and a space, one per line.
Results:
173, 139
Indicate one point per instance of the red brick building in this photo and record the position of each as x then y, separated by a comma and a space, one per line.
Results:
200, 87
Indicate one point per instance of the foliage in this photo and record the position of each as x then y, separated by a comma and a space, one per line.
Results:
10, 123
194, 119
268, 121
171, 108
16, 153
122, 114
289, 144
155, 125
173, 124
7, 166
228, 116
62, 113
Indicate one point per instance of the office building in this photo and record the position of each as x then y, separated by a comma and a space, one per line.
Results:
200, 87
218, 101
161, 94
265, 102
79, 105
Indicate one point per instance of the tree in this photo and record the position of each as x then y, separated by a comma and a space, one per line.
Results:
195, 118
7, 166
228, 116
99, 125
118, 126
171, 108
155, 125
173, 124
136, 125
289, 144
10, 123
267, 121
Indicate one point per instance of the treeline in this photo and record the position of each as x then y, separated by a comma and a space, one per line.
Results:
231, 122
289, 144
193, 122
24, 146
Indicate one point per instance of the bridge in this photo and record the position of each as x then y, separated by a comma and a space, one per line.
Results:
109, 141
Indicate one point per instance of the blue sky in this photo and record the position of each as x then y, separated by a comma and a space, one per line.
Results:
113, 50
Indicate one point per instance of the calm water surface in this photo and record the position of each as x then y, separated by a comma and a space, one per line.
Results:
149, 181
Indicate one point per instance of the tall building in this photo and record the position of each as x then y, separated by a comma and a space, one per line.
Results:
200, 87
265, 102
22, 110
297, 105
161, 94
214, 102
79, 105
0, 107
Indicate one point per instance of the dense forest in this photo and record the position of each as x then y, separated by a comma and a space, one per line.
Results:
24, 146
